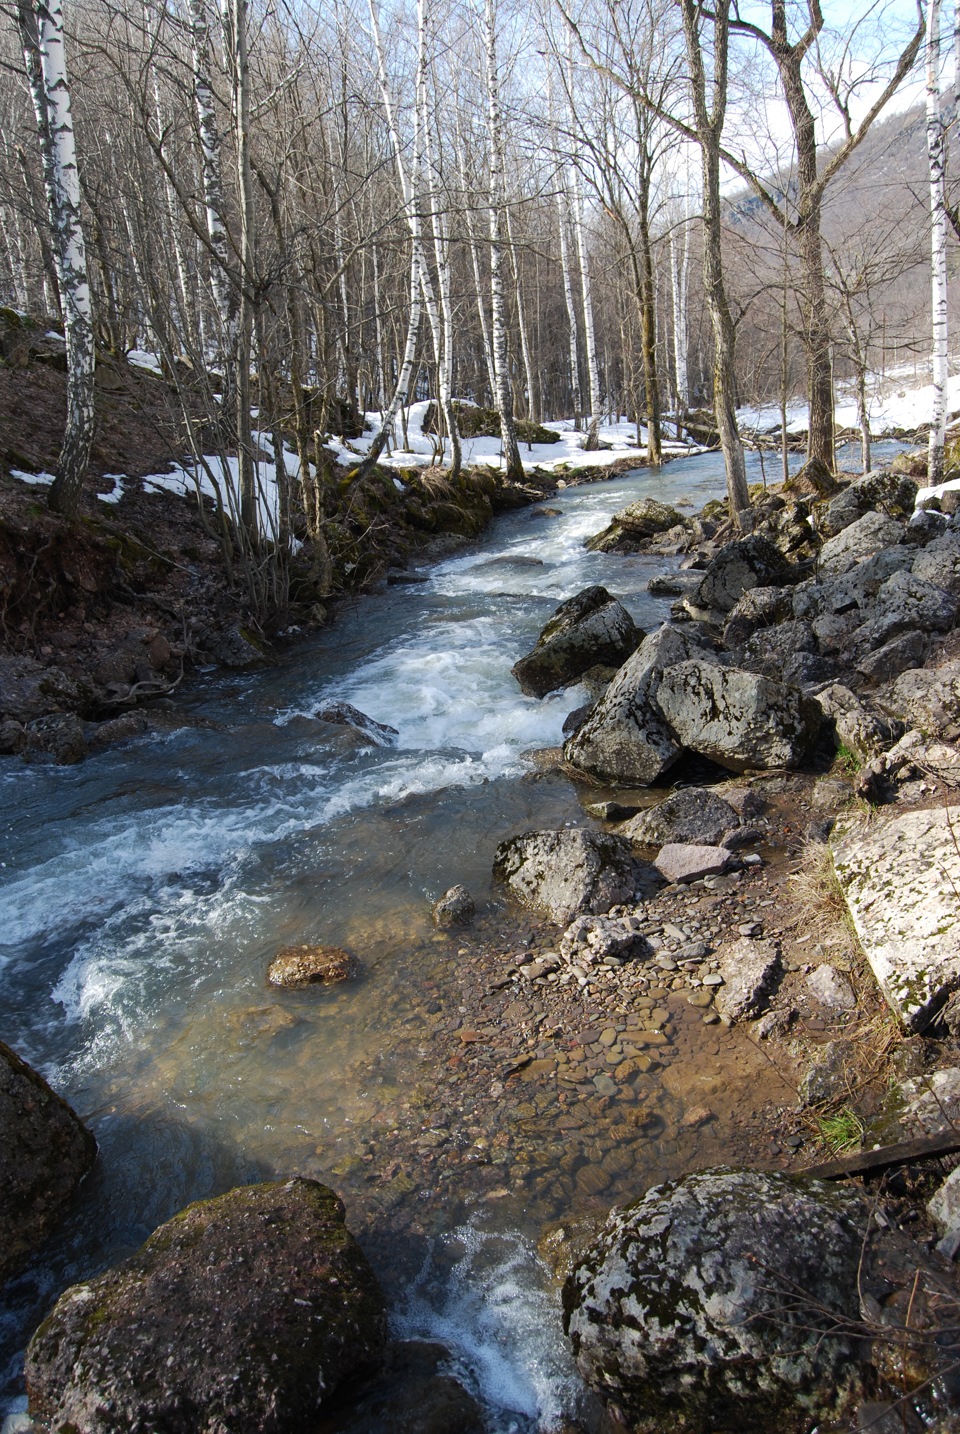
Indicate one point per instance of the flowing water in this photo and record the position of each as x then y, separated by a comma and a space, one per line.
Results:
144, 892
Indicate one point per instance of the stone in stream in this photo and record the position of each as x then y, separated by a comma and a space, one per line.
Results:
297, 966
741, 720
45, 1152
587, 630
723, 1301
900, 877
455, 907
567, 873
343, 714
631, 528
691, 814
242, 1313
625, 739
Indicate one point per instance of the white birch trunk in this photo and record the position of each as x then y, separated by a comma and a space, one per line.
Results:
589, 331
475, 262
938, 246
41, 31
574, 344
533, 405
679, 275
513, 464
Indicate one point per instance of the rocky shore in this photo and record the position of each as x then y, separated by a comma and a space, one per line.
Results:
746, 952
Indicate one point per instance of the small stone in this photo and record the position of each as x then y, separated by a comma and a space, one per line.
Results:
592, 1179
750, 928
683, 862
297, 966
608, 1037
713, 978
701, 999
831, 988
455, 907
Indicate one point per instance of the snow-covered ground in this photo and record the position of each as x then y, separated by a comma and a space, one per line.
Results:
412, 448
895, 401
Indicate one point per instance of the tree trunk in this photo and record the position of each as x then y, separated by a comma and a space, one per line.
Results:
709, 126
938, 247
589, 333
574, 344
512, 462
41, 31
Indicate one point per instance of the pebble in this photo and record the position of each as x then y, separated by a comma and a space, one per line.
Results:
713, 979
700, 998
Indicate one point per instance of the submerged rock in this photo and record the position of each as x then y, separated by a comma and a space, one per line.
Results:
343, 714
45, 1152
455, 907
416, 1393
297, 966
567, 873
242, 1313
589, 630
718, 1302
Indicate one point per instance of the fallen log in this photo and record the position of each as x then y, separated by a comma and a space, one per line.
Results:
867, 1162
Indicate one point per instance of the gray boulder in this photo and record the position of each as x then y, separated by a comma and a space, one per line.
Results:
752, 562
45, 1152
59, 735
691, 814
243, 1313
860, 540
739, 719
756, 608
750, 970
567, 873
884, 663
863, 733
719, 1302
939, 563
903, 604
585, 631
686, 861
927, 698
625, 739
632, 528
771, 648
455, 907
892, 494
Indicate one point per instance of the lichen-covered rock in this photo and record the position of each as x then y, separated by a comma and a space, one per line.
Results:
893, 494
931, 1103
750, 970
861, 732
717, 1303
900, 878
297, 966
908, 649
690, 814
625, 738
939, 563
903, 603
59, 735
928, 698
242, 1313
588, 940
742, 720
631, 528
752, 562
455, 907
828, 1074
45, 1152
943, 1207
831, 988
567, 873
589, 630
861, 539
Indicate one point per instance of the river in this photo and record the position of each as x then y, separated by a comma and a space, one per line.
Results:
145, 891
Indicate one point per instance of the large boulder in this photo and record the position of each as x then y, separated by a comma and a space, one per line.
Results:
691, 814
45, 1152
630, 530
928, 698
900, 878
863, 733
861, 539
904, 604
892, 494
567, 873
743, 721
752, 562
242, 1313
588, 630
625, 738
723, 1301
939, 563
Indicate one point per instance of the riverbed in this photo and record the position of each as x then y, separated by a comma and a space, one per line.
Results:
145, 892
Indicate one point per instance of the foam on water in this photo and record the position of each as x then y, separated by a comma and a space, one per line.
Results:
496, 1314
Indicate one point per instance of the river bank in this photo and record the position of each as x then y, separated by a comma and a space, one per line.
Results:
460, 1108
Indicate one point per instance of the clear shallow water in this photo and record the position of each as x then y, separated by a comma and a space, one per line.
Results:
144, 893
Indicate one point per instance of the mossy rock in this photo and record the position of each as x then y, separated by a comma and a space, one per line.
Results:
245, 1312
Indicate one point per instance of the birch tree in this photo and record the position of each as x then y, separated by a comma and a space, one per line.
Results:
40, 24
938, 245
512, 462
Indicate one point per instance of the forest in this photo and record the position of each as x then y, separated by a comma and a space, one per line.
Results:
321, 214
